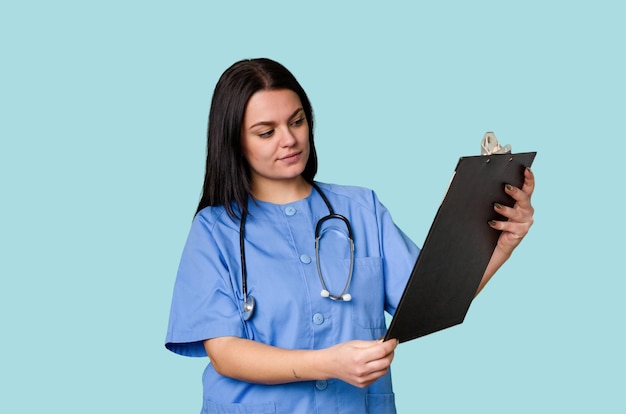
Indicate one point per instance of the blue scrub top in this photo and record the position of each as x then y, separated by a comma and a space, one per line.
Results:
290, 312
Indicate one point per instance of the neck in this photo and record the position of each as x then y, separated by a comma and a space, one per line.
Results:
280, 191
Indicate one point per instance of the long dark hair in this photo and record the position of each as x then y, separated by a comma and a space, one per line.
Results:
227, 177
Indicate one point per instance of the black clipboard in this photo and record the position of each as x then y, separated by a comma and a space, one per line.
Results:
458, 247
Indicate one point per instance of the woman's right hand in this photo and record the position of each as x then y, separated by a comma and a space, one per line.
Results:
360, 363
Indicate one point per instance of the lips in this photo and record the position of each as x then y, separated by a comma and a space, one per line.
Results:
290, 158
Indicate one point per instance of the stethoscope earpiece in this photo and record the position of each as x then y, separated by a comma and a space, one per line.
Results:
346, 297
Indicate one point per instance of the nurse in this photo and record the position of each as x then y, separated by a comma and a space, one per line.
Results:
284, 281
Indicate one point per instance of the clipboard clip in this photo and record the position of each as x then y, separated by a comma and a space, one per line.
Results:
490, 145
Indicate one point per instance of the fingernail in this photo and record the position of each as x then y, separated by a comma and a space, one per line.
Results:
492, 223
509, 187
498, 206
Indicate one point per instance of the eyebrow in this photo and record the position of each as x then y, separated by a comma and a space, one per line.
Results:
296, 112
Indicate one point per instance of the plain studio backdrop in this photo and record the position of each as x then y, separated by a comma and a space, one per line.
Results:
103, 111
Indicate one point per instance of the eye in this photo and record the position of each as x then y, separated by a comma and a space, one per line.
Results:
266, 134
298, 121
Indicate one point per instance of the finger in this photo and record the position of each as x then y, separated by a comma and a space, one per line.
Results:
378, 367
364, 373
379, 364
522, 199
512, 229
366, 356
369, 379
519, 213
358, 343
374, 375
529, 182
528, 187
390, 344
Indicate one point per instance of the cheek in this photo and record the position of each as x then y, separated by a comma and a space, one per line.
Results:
247, 148
256, 153
307, 144
303, 138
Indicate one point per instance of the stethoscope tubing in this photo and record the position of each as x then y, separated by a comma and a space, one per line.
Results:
249, 301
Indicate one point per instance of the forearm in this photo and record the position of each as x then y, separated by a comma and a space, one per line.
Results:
498, 258
255, 362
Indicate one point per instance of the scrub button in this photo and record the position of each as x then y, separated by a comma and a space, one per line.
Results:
306, 259
290, 211
321, 385
318, 319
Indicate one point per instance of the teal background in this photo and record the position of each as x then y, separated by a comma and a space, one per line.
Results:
103, 109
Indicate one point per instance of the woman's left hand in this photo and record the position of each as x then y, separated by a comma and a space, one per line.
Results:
519, 219
520, 216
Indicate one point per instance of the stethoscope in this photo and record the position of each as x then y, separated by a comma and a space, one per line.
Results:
249, 304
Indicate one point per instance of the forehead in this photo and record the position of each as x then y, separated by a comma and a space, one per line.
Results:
271, 105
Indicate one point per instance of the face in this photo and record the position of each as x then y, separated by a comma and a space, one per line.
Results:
275, 137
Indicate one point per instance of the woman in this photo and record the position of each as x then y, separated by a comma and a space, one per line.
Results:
292, 326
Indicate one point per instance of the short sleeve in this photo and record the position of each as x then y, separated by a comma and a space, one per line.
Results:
203, 302
399, 254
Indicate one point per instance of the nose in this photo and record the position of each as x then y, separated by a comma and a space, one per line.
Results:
287, 138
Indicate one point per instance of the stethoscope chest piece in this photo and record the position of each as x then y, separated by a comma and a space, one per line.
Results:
248, 308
